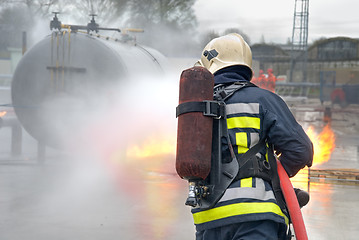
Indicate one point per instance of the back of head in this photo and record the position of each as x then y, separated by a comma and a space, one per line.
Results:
225, 51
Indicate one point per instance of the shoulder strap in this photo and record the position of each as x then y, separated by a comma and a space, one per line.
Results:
222, 92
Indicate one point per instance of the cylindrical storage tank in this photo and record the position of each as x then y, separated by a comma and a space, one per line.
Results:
65, 74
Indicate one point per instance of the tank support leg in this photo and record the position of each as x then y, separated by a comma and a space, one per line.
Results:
41, 152
16, 139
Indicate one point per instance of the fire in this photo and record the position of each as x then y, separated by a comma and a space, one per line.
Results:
153, 155
152, 147
3, 113
323, 143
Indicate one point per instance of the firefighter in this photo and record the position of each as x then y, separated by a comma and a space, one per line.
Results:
261, 79
271, 80
254, 80
248, 208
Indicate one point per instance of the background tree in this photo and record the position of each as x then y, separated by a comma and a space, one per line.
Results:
237, 30
169, 24
19, 16
109, 12
207, 36
12, 22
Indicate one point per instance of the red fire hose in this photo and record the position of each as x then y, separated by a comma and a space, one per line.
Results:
292, 204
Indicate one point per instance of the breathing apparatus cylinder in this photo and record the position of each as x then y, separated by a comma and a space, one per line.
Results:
194, 130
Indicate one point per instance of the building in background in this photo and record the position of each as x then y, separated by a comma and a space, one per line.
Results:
332, 63
333, 59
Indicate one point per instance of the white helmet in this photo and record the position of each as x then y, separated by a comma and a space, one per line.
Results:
225, 51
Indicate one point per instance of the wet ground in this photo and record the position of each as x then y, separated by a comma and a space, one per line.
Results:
78, 196
72, 200
63, 201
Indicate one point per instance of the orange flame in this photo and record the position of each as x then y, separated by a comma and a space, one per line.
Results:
154, 154
323, 144
3, 113
152, 147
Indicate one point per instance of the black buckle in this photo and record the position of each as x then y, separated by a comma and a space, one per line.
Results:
213, 109
209, 108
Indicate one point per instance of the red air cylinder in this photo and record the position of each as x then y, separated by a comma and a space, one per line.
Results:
194, 130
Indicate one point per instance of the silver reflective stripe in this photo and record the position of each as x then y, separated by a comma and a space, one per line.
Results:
254, 139
251, 108
258, 192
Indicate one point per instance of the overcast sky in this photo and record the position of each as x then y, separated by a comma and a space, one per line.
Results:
274, 19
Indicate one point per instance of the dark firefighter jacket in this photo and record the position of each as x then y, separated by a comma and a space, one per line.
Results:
253, 114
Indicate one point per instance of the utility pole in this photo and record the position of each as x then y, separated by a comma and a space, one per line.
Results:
300, 37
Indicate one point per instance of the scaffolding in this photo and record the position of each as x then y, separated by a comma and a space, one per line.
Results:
300, 38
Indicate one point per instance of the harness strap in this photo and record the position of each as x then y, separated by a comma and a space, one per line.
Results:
222, 91
249, 165
207, 107
252, 166
245, 157
269, 173
214, 108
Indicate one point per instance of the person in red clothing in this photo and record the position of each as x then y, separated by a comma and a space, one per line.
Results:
271, 80
261, 79
254, 80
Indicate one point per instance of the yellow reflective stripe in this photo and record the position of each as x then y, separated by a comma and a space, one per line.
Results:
246, 182
237, 209
242, 149
242, 142
244, 122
